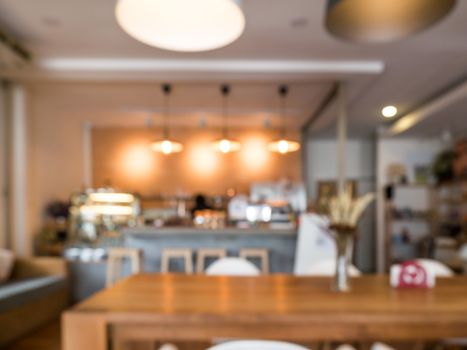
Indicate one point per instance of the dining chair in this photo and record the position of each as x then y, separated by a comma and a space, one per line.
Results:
115, 259
185, 254
439, 269
204, 253
257, 345
257, 253
232, 267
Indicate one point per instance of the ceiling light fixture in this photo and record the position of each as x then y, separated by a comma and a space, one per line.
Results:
283, 145
225, 144
166, 146
389, 111
383, 20
182, 25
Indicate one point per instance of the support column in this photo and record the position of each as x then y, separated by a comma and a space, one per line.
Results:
341, 138
20, 240
4, 243
87, 154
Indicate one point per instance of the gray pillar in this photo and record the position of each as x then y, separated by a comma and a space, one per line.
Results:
20, 238
341, 138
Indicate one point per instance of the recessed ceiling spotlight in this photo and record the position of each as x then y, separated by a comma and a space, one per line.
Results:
182, 25
389, 111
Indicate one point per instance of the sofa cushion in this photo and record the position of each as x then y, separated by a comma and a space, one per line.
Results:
16, 293
7, 259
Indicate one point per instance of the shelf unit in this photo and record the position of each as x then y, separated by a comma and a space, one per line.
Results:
451, 221
410, 222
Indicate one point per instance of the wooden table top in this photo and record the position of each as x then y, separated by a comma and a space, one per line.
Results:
283, 307
174, 294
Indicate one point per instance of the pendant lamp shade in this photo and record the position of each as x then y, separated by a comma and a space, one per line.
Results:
166, 145
226, 144
383, 20
283, 145
182, 25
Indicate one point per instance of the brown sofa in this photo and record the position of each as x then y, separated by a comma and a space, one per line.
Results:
36, 294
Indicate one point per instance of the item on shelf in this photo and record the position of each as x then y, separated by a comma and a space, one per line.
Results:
423, 174
443, 166
460, 163
396, 173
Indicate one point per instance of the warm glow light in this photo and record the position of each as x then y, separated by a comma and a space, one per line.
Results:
166, 146
111, 197
137, 161
202, 160
226, 146
389, 111
284, 146
112, 210
182, 25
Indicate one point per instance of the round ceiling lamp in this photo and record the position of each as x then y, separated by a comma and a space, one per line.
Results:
166, 145
383, 20
182, 25
225, 144
283, 145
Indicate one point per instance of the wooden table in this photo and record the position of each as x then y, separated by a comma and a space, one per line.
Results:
199, 308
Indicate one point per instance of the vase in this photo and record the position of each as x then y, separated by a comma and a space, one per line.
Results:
344, 237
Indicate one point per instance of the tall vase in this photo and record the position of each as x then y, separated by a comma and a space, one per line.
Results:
344, 237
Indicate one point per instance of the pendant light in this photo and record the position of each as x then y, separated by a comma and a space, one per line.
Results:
383, 20
225, 144
166, 145
182, 25
283, 145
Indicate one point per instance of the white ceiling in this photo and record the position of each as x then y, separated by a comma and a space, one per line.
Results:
284, 41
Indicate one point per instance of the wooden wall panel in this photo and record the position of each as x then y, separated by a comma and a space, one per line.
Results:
122, 158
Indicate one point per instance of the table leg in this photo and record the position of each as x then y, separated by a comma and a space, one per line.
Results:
82, 330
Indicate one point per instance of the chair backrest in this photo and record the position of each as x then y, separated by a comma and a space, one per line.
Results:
328, 268
314, 244
257, 345
115, 260
232, 267
440, 269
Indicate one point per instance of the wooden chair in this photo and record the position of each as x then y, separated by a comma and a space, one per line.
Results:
257, 253
177, 253
116, 256
204, 253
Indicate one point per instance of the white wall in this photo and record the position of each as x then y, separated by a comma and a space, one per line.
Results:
408, 151
360, 157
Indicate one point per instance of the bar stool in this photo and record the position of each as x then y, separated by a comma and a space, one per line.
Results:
257, 253
204, 253
116, 256
177, 253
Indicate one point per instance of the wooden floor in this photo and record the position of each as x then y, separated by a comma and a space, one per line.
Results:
45, 338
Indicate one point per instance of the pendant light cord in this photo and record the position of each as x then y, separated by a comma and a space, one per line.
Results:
225, 90
283, 92
166, 90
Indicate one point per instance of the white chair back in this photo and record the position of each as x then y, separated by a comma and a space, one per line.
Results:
232, 267
314, 244
328, 268
440, 269
257, 345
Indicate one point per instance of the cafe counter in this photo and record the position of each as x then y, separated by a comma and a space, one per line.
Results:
280, 243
